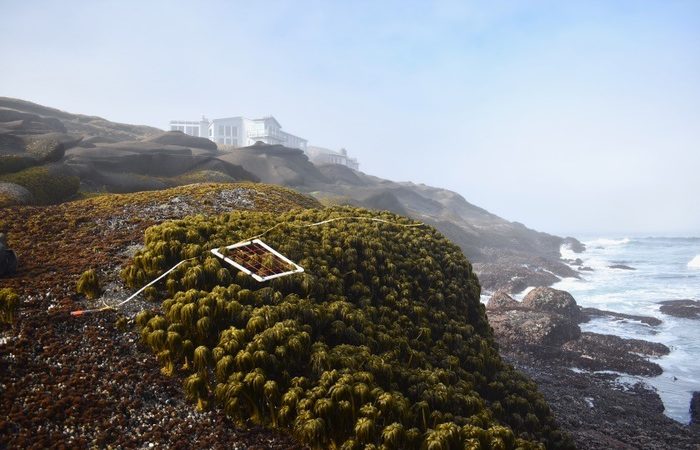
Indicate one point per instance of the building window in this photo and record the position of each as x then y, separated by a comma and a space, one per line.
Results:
211, 132
221, 130
228, 130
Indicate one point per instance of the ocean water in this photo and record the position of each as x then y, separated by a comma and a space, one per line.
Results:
665, 269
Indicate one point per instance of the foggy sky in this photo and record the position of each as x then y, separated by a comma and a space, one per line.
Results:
570, 117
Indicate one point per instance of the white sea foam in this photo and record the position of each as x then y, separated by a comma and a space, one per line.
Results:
607, 242
567, 253
695, 262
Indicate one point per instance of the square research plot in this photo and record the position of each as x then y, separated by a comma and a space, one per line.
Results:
258, 260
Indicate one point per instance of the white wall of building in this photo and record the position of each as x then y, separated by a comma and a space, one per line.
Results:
240, 131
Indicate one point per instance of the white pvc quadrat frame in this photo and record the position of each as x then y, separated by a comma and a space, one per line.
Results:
258, 247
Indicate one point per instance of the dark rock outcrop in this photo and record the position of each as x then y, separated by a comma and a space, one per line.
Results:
653, 321
601, 413
695, 408
685, 309
597, 352
512, 276
621, 267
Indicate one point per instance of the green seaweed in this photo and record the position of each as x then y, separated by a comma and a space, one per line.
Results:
89, 284
9, 303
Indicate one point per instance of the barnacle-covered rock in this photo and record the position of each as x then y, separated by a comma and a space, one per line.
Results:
382, 341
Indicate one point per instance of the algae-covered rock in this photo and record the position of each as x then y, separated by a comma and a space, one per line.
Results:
382, 339
14, 194
47, 184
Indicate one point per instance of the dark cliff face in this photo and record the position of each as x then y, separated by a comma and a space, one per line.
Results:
92, 154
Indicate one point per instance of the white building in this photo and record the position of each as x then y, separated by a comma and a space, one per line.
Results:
240, 131
320, 155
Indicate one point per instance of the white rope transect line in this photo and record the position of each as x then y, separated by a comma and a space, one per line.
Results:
374, 219
107, 307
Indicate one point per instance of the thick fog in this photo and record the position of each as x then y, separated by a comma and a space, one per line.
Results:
570, 117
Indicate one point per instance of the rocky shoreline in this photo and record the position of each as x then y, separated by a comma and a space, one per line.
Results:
578, 372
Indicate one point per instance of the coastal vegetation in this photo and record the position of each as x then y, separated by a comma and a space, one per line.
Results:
89, 284
9, 303
381, 343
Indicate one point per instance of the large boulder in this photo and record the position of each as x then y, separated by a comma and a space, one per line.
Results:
500, 299
554, 301
514, 323
529, 327
14, 194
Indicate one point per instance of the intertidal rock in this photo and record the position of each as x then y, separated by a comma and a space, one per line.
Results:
621, 267
519, 323
513, 278
653, 321
545, 324
525, 326
607, 352
695, 408
685, 309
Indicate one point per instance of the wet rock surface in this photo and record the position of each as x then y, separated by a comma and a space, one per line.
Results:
695, 409
600, 412
621, 267
685, 309
595, 312
578, 376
